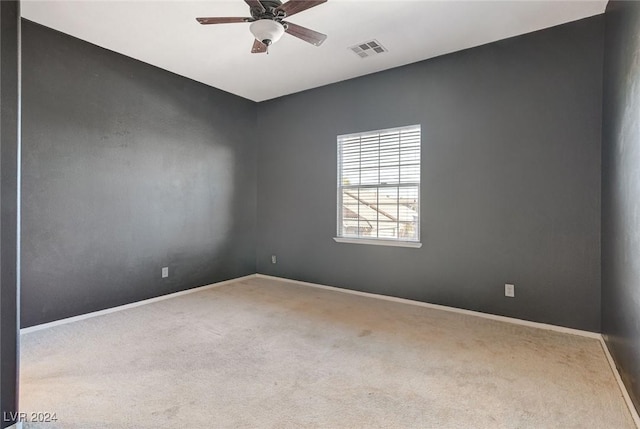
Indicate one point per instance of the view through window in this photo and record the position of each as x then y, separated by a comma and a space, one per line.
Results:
379, 184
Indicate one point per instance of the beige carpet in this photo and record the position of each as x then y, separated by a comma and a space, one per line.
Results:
267, 354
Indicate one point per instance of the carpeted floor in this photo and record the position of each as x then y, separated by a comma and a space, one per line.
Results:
267, 354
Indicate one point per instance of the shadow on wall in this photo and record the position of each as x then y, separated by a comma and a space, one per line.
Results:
621, 191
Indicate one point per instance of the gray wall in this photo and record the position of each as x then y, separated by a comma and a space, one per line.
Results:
621, 192
127, 168
9, 147
510, 178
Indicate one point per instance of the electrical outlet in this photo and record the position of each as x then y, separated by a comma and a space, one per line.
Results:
274, 259
509, 290
165, 272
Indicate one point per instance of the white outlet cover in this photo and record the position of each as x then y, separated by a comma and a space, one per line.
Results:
165, 272
274, 259
509, 290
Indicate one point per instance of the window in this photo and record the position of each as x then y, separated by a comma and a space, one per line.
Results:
379, 187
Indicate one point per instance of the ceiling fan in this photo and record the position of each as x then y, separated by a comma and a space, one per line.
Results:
268, 25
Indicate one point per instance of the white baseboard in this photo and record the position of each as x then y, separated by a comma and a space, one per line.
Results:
513, 320
623, 388
131, 305
561, 329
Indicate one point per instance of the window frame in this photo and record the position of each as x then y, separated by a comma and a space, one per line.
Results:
384, 241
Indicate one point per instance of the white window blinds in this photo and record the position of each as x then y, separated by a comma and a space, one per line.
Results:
379, 184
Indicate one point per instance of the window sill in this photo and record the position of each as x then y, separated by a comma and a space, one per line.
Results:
392, 243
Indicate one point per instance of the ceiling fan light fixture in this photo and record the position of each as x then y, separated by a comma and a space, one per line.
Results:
267, 31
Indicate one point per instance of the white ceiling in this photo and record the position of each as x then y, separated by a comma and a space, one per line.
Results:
166, 34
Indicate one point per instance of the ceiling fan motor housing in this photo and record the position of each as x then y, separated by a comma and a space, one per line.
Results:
267, 31
269, 10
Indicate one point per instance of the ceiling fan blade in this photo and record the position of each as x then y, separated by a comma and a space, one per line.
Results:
258, 47
305, 34
255, 4
229, 20
296, 6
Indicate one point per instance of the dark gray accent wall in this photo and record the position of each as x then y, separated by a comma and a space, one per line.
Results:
9, 173
127, 168
621, 192
510, 178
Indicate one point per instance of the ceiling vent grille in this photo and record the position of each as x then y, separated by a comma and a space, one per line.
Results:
368, 49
